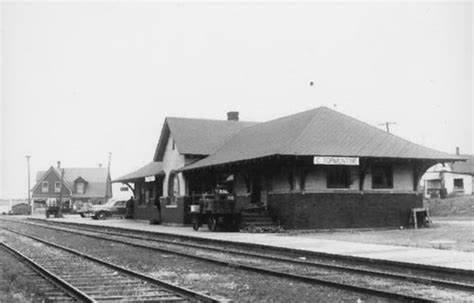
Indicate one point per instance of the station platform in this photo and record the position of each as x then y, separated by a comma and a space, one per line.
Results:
457, 260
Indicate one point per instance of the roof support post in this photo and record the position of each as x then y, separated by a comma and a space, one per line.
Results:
363, 168
131, 188
418, 170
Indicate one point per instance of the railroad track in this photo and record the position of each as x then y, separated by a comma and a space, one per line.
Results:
402, 286
89, 279
44, 287
320, 257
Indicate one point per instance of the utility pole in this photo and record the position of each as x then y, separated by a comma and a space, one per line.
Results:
60, 213
387, 125
108, 187
29, 194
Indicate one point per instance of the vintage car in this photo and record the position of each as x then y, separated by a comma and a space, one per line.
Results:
83, 208
113, 207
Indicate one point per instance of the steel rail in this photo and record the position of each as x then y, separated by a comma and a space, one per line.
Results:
301, 278
392, 263
177, 289
411, 278
49, 276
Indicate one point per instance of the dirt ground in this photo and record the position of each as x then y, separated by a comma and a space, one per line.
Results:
454, 233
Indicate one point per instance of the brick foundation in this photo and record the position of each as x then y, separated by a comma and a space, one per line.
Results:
146, 212
342, 210
177, 214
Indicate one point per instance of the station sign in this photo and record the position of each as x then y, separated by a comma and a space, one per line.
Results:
336, 161
150, 179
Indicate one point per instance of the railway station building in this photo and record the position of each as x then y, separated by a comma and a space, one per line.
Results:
314, 169
146, 184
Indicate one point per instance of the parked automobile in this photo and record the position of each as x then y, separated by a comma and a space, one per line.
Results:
84, 209
113, 207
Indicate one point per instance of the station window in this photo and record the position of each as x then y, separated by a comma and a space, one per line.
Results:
44, 186
57, 187
382, 176
459, 183
338, 177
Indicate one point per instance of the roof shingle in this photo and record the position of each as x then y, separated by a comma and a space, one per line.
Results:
317, 132
197, 136
464, 167
151, 169
96, 178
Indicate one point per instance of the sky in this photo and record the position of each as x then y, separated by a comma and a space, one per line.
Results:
82, 79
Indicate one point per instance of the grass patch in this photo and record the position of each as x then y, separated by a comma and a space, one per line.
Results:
15, 285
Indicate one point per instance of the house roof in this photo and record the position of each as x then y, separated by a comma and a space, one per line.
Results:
151, 169
197, 136
96, 178
464, 167
317, 132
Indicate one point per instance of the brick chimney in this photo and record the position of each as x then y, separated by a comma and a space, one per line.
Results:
457, 150
233, 116
59, 164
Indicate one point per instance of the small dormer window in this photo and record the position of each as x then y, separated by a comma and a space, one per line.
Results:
44, 187
80, 188
57, 187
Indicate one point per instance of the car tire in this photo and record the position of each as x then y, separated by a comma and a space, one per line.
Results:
101, 216
212, 223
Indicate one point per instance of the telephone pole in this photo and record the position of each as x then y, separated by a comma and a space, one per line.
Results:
29, 194
60, 211
387, 125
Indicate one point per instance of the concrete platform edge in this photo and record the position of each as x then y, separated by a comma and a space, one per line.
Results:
443, 269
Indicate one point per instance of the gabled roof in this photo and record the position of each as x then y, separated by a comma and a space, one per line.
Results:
197, 136
40, 175
317, 132
151, 169
96, 178
464, 167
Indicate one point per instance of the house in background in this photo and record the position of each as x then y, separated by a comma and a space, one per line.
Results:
80, 185
450, 179
20, 209
314, 169
7, 206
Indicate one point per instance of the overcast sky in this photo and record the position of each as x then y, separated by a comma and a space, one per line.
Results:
83, 79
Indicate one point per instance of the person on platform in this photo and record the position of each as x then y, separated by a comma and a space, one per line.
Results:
129, 207
158, 208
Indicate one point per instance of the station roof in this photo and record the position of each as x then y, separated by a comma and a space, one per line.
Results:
197, 136
317, 132
151, 169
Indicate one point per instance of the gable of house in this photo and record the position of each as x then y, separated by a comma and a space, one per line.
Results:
196, 136
47, 181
